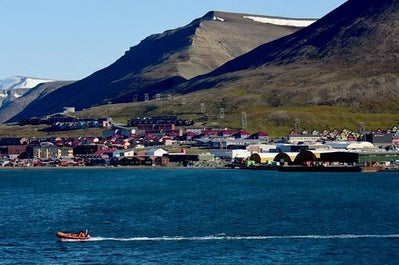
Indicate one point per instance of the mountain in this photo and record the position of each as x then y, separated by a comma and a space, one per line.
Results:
162, 61
14, 107
12, 89
15, 87
21, 82
350, 57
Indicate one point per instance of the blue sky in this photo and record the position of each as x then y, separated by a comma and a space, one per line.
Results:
70, 39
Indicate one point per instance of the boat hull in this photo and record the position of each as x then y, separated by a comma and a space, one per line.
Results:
319, 169
259, 167
372, 168
72, 236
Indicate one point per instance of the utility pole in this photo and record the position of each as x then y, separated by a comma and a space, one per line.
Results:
363, 131
202, 107
244, 123
221, 113
298, 126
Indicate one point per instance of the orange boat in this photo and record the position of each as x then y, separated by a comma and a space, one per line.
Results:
73, 236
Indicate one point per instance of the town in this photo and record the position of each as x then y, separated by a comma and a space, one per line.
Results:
168, 141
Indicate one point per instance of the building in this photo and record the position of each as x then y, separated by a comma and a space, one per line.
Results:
13, 141
241, 134
380, 138
261, 135
48, 152
16, 151
124, 153
155, 152
395, 139
88, 149
303, 138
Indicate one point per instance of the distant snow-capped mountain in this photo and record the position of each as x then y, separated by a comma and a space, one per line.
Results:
16, 86
16, 82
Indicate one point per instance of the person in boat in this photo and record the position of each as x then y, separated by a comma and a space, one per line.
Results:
82, 234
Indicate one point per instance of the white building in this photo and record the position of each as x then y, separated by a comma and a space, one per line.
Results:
124, 153
156, 152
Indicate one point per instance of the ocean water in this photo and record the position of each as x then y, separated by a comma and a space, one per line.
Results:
199, 216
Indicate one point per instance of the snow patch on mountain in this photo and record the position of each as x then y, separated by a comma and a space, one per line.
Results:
218, 19
16, 95
283, 21
20, 82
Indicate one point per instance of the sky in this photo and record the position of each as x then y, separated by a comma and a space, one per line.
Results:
71, 39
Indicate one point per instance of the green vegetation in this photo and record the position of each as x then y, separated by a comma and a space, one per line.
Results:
277, 121
35, 131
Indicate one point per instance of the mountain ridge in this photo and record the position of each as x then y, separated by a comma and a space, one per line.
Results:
350, 55
25, 82
15, 87
163, 60
348, 58
14, 107
277, 55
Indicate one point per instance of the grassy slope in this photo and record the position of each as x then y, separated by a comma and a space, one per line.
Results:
278, 121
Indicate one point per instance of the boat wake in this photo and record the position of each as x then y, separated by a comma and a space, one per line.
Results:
225, 237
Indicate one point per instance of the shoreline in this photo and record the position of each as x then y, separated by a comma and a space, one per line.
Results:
108, 168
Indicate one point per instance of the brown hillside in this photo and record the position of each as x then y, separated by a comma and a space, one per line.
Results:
162, 61
349, 57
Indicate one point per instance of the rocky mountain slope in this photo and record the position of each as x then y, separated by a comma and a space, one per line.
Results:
15, 87
40, 90
350, 57
165, 60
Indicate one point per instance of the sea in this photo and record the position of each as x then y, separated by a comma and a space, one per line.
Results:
198, 216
